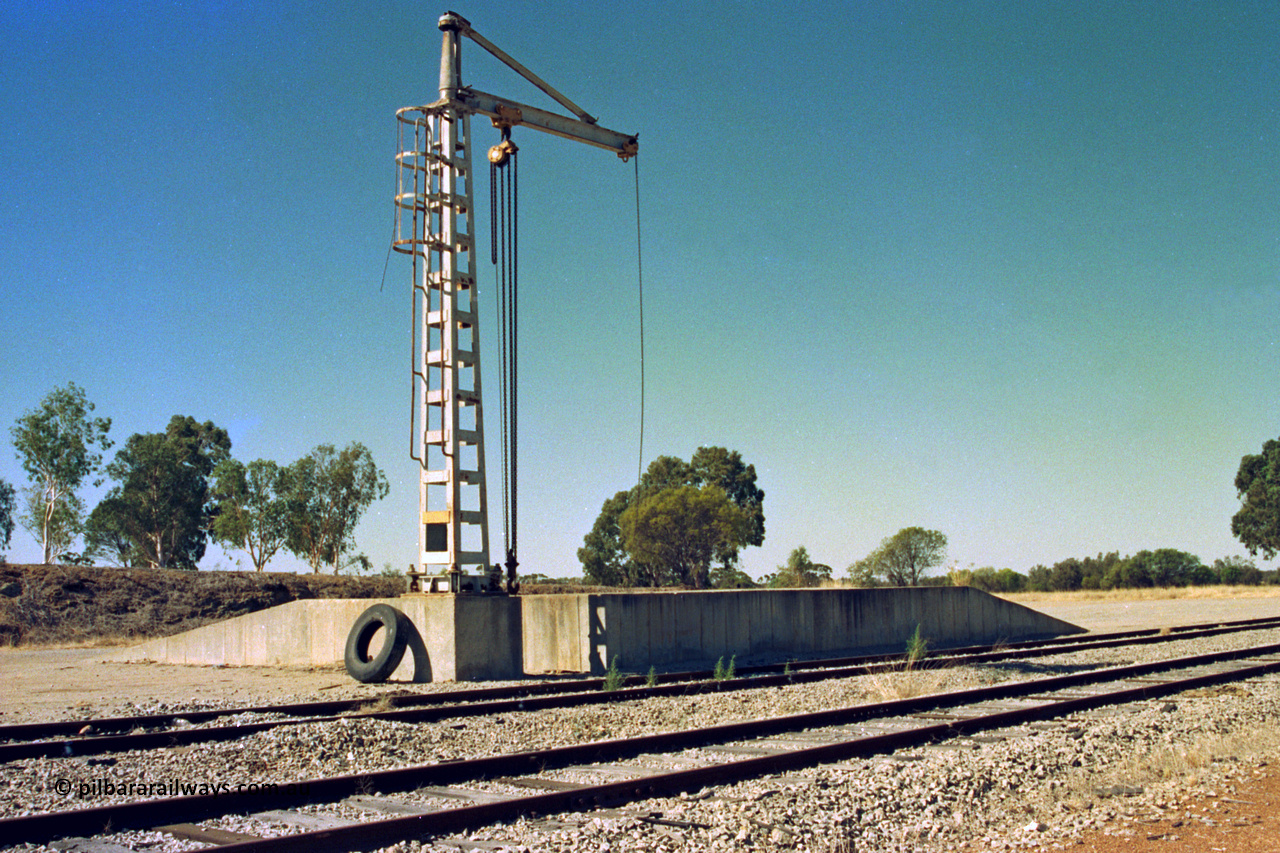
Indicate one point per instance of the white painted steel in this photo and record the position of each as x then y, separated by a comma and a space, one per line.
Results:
549, 122
435, 224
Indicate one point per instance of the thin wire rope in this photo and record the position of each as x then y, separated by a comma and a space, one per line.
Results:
493, 210
640, 283
506, 379
395, 207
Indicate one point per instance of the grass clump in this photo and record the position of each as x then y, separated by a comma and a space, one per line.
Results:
651, 680
612, 678
725, 673
917, 649
906, 681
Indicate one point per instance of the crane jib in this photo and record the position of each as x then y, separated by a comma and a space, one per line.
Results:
500, 109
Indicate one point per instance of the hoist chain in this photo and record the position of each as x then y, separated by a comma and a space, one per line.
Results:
503, 252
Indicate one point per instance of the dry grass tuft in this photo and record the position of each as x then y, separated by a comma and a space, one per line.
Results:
1179, 764
385, 703
105, 641
1163, 593
905, 683
907, 679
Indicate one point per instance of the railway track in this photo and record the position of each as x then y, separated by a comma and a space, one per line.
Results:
431, 804
86, 737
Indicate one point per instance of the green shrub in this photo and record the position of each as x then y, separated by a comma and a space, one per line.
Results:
917, 648
722, 672
612, 678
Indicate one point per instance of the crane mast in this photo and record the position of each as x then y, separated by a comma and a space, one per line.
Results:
435, 226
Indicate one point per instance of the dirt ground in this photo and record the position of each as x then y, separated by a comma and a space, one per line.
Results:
62, 684
1104, 616
1248, 821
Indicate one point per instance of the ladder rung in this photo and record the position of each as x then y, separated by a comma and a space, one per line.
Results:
460, 279
460, 316
441, 516
469, 478
442, 200
437, 397
463, 357
464, 558
435, 437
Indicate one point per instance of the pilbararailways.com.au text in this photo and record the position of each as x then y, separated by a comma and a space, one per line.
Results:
175, 788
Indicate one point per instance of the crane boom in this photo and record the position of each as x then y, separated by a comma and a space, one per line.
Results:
504, 111
464, 27
508, 113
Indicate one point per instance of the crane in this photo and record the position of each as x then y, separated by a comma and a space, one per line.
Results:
435, 226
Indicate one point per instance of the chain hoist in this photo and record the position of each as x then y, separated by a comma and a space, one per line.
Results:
504, 242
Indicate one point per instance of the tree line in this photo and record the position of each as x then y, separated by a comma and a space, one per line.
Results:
685, 523
896, 563
177, 490
1161, 567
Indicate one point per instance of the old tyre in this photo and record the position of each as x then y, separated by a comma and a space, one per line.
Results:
372, 670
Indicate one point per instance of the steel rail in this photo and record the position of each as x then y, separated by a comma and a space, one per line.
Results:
63, 728
151, 813
374, 834
100, 744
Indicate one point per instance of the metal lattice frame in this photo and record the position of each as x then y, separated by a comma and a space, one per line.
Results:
435, 226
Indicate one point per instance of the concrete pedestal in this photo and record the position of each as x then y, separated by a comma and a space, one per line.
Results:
466, 637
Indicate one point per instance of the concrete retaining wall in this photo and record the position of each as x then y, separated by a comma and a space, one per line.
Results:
478, 637
583, 633
458, 638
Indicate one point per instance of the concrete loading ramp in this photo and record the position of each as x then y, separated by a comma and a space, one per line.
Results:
459, 637
477, 637
583, 633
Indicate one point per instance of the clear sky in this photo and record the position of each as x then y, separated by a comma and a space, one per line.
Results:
1006, 270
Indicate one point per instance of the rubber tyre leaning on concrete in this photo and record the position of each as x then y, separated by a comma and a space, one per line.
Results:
376, 669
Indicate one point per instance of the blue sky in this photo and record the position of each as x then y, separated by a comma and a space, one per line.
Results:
1006, 270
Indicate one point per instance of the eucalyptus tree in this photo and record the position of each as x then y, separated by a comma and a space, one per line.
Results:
252, 509
163, 504
1257, 523
329, 490
678, 532
613, 557
604, 559
8, 506
58, 444
800, 571
903, 558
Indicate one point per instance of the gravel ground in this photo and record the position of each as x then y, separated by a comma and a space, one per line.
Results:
1038, 787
